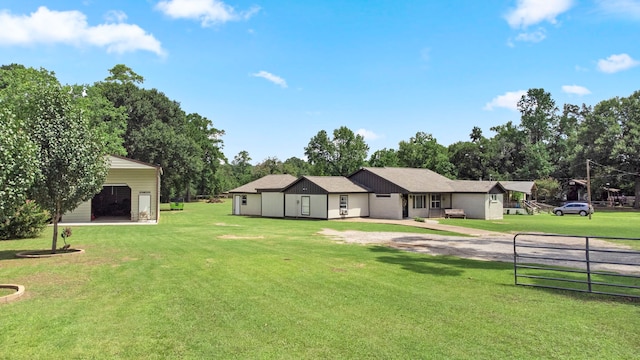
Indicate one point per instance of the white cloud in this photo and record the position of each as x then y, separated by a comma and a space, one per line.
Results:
625, 8
508, 100
367, 134
273, 78
534, 37
70, 27
576, 90
530, 12
208, 12
617, 62
115, 16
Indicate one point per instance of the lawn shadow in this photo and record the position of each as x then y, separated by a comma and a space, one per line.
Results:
434, 264
583, 296
11, 254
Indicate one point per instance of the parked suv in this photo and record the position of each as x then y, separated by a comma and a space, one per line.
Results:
574, 208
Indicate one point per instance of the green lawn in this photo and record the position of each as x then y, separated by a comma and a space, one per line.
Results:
204, 284
602, 223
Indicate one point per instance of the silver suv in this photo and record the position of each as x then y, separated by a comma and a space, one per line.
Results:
574, 208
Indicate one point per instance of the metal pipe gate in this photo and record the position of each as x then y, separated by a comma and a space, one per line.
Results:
560, 262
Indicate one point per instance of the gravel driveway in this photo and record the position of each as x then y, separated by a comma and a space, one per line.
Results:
493, 247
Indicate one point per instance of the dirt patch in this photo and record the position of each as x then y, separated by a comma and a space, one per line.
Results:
234, 237
498, 247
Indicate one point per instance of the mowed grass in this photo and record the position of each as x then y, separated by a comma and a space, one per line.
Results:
602, 223
205, 284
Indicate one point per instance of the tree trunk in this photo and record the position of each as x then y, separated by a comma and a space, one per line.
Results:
54, 243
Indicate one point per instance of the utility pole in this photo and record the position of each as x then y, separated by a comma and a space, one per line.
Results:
589, 189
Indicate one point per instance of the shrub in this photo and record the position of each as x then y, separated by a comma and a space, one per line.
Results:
28, 222
418, 219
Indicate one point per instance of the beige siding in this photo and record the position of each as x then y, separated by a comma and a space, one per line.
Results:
139, 180
385, 207
495, 208
317, 204
273, 204
479, 206
80, 214
358, 206
420, 212
253, 206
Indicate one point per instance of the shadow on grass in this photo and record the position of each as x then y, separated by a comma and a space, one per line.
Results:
11, 254
435, 265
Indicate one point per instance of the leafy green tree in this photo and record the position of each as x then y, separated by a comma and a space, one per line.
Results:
242, 168
209, 142
384, 158
108, 121
296, 167
548, 189
538, 115
341, 155
18, 164
270, 165
423, 151
73, 166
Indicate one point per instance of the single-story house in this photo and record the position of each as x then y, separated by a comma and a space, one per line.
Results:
383, 193
325, 197
398, 193
131, 192
261, 197
518, 194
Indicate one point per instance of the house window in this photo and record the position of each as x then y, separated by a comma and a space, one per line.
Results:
244, 199
306, 205
419, 201
494, 197
436, 199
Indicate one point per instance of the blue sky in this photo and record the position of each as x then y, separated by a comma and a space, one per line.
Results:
271, 74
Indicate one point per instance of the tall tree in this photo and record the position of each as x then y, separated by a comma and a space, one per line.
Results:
384, 157
339, 156
538, 115
423, 151
270, 165
242, 168
296, 167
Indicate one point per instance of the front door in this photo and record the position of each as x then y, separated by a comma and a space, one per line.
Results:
237, 200
405, 205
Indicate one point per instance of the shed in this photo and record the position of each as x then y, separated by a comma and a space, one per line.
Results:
131, 192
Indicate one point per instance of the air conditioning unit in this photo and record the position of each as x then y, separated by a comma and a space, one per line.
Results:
344, 212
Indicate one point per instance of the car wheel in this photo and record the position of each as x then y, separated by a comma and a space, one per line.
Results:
583, 213
559, 212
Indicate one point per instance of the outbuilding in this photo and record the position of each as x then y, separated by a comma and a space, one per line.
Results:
131, 192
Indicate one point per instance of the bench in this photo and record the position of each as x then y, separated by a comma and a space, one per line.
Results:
454, 213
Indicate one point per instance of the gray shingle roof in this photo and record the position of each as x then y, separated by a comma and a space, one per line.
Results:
519, 186
414, 180
268, 182
473, 186
336, 184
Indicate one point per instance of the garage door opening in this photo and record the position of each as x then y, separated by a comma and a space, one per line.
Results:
112, 203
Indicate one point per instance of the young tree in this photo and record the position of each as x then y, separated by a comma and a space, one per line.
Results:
73, 166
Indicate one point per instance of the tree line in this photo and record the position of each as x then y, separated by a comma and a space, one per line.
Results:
549, 143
